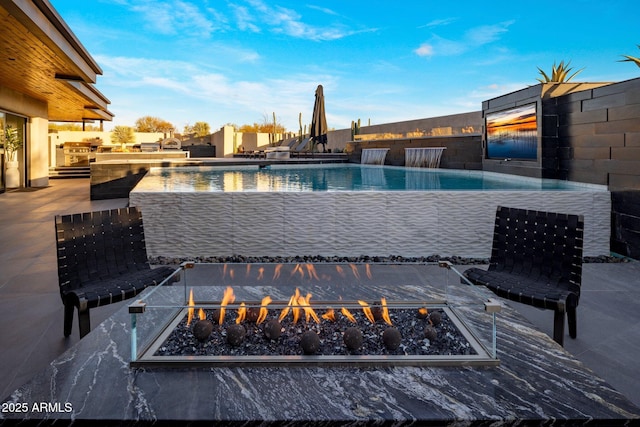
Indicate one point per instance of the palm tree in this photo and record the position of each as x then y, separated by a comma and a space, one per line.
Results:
559, 73
631, 58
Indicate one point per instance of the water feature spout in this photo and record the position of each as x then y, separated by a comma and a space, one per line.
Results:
423, 157
373, 156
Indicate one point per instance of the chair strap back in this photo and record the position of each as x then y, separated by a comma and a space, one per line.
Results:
540, 244
99, 245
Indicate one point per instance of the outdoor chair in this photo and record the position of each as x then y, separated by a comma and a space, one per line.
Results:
536, 259
102, 259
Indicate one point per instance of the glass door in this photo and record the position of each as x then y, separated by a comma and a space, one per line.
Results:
14, 164
3, 186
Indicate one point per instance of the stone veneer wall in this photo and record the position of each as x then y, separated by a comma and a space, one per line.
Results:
598, 141
462, 151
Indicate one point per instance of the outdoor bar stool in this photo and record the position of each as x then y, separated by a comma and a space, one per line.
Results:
536, 259
102, 259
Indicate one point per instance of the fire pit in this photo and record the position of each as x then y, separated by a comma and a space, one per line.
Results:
204, 320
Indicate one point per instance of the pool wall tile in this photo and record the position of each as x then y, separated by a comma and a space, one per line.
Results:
309, 224
408, 223
257, 224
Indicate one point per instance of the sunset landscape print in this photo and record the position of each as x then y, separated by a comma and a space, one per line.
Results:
513, 133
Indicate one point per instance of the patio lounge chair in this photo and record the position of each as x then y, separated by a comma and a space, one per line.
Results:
536, 259
102, 259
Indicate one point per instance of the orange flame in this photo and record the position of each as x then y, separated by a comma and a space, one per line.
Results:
248, 272
242, 313
261, 273
293, 301
354, 270
232, 273
191, 310
298, 269
329, 315
298, 303
340, 271
308, 311
348, 315
276, 271
311, 269
201, 314
263, 309
367, 311
227, 298
423, 311
385, 311
367, 268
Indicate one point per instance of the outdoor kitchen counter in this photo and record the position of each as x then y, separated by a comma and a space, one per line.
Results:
536, 380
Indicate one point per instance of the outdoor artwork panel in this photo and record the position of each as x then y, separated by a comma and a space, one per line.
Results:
513, 133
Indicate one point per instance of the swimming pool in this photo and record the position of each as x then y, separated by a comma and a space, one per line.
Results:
342, 177
369, 210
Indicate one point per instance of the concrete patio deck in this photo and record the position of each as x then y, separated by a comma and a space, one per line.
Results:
31, 315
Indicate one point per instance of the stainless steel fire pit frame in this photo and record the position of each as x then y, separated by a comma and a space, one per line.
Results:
486, 355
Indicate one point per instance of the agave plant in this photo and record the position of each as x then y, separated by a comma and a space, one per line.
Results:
631, 58
559, 73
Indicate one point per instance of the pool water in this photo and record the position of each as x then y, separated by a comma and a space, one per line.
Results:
340, 177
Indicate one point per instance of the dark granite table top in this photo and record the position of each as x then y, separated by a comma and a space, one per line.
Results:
536, 381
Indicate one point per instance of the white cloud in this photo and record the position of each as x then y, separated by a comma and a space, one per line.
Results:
495, 89
425, 49
244, 19
178, 17
471, 39
289, 22
160, 87
487, 33
438, 23
323, 9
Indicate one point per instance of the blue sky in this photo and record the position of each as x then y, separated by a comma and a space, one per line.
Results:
238, 61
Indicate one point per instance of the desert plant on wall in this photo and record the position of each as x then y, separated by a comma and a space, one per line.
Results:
355, 129
633, 59
559, 73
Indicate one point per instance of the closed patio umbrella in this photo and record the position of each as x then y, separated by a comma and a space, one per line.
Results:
318, 131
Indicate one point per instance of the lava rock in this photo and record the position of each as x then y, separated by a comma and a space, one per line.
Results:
430, 333
202, 330
252, 314
422, 313
310, 342
236, 334
272, 329
435, 318
391, 338
376, 311
352, 338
